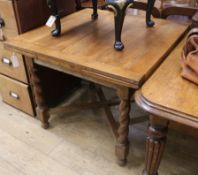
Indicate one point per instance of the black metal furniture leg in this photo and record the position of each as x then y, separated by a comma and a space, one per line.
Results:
95, 12
149, 9
54, 11
119, 20
119, 7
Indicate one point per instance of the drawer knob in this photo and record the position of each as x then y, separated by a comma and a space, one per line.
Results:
6, 61
14, 95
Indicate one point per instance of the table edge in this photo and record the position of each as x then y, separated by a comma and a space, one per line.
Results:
164, 112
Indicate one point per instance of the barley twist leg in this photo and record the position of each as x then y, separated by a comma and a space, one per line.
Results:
122, 146
41, 109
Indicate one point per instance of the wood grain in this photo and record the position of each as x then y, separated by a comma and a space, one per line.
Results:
86, 47
19, 72
23, 102
168, 90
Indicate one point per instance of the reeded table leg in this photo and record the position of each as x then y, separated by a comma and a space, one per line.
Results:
155, 144
53, 8
122, 146
41, 109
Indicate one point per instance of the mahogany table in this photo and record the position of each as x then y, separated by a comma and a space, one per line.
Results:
84, 50
167, 97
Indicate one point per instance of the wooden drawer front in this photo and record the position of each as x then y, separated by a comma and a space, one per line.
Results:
7, 14
14, 70
16, 94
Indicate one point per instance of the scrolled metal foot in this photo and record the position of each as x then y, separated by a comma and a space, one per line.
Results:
56, 32
118, 45
150, 23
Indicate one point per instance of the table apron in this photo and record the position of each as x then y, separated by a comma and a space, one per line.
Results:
87, 74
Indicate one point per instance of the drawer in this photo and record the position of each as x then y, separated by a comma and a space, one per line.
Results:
16, 94
12, 69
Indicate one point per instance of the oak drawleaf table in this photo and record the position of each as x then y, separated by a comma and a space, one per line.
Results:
167, 97
84, 50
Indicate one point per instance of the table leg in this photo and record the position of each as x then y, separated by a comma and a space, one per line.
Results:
122, 145
155, 144
54, 11
41, 109
95, 6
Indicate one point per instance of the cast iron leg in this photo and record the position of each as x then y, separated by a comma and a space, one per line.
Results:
119, 20
119, 7
95, 6
41, 109
54, 11
149, 9
155, 144
122, 146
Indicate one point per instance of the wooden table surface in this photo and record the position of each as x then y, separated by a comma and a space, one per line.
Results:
168, 95
86, 46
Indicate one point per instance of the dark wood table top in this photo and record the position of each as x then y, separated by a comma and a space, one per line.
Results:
168, 95
85, 48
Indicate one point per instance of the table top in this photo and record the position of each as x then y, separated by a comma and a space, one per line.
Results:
86, 46
168, 95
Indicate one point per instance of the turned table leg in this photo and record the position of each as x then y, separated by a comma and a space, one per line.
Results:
155, 144
122, 145
54, 11
41, 109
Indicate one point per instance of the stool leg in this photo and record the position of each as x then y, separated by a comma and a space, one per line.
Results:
122, 146
155, 144
53, 8
119, 20
119, 7
149, 9
95, 11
